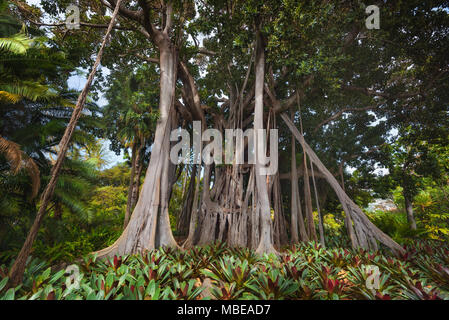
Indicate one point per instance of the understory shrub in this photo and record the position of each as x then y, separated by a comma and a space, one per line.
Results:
304, 271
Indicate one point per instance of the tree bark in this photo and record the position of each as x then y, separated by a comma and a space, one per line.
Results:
18, 268
137, 174
184, 217
294, 203
348, 222
265, 242
296, 211
149, 226
409, 210
308, 202
280, 228
307, 194
318, 209
367, 232
193, 207
131, 184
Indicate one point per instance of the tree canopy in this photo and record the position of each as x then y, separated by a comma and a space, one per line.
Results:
360, 115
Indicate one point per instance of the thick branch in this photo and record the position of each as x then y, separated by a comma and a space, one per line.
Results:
340, 113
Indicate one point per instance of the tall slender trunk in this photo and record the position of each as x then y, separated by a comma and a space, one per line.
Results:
318, 209
194, 209
341, 173
280, 228
348, 222
294, 187
367, 232
296, 210
308, 202
18, 268
409, 210
302, 227
266, 241
184, 183
307, 194
184, 217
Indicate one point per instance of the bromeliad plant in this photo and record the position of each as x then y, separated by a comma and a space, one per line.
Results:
273, 285
305, 271
231, 270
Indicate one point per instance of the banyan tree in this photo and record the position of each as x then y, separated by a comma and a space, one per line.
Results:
252, 76
233, 203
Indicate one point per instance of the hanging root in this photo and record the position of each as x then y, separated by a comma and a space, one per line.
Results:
366, 233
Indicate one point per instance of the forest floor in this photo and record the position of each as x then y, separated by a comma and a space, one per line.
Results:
305, 271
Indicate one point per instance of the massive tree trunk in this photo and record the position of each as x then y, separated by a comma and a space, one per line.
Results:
18, 268
409, 210
149, 226
366, 232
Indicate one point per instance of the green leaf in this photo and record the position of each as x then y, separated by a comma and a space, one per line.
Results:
10, 294
57, 276
3, 283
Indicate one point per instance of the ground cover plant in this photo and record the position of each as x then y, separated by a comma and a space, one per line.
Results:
305, 271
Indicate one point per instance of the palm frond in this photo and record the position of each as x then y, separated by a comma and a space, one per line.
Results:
12, 153
19, 160
17, 44
27, 89
9, 97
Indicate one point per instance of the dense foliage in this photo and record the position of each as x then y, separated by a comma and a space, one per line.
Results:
305, 271
372, 104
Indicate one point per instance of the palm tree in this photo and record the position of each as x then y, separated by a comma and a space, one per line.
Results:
12, 90
18, 268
